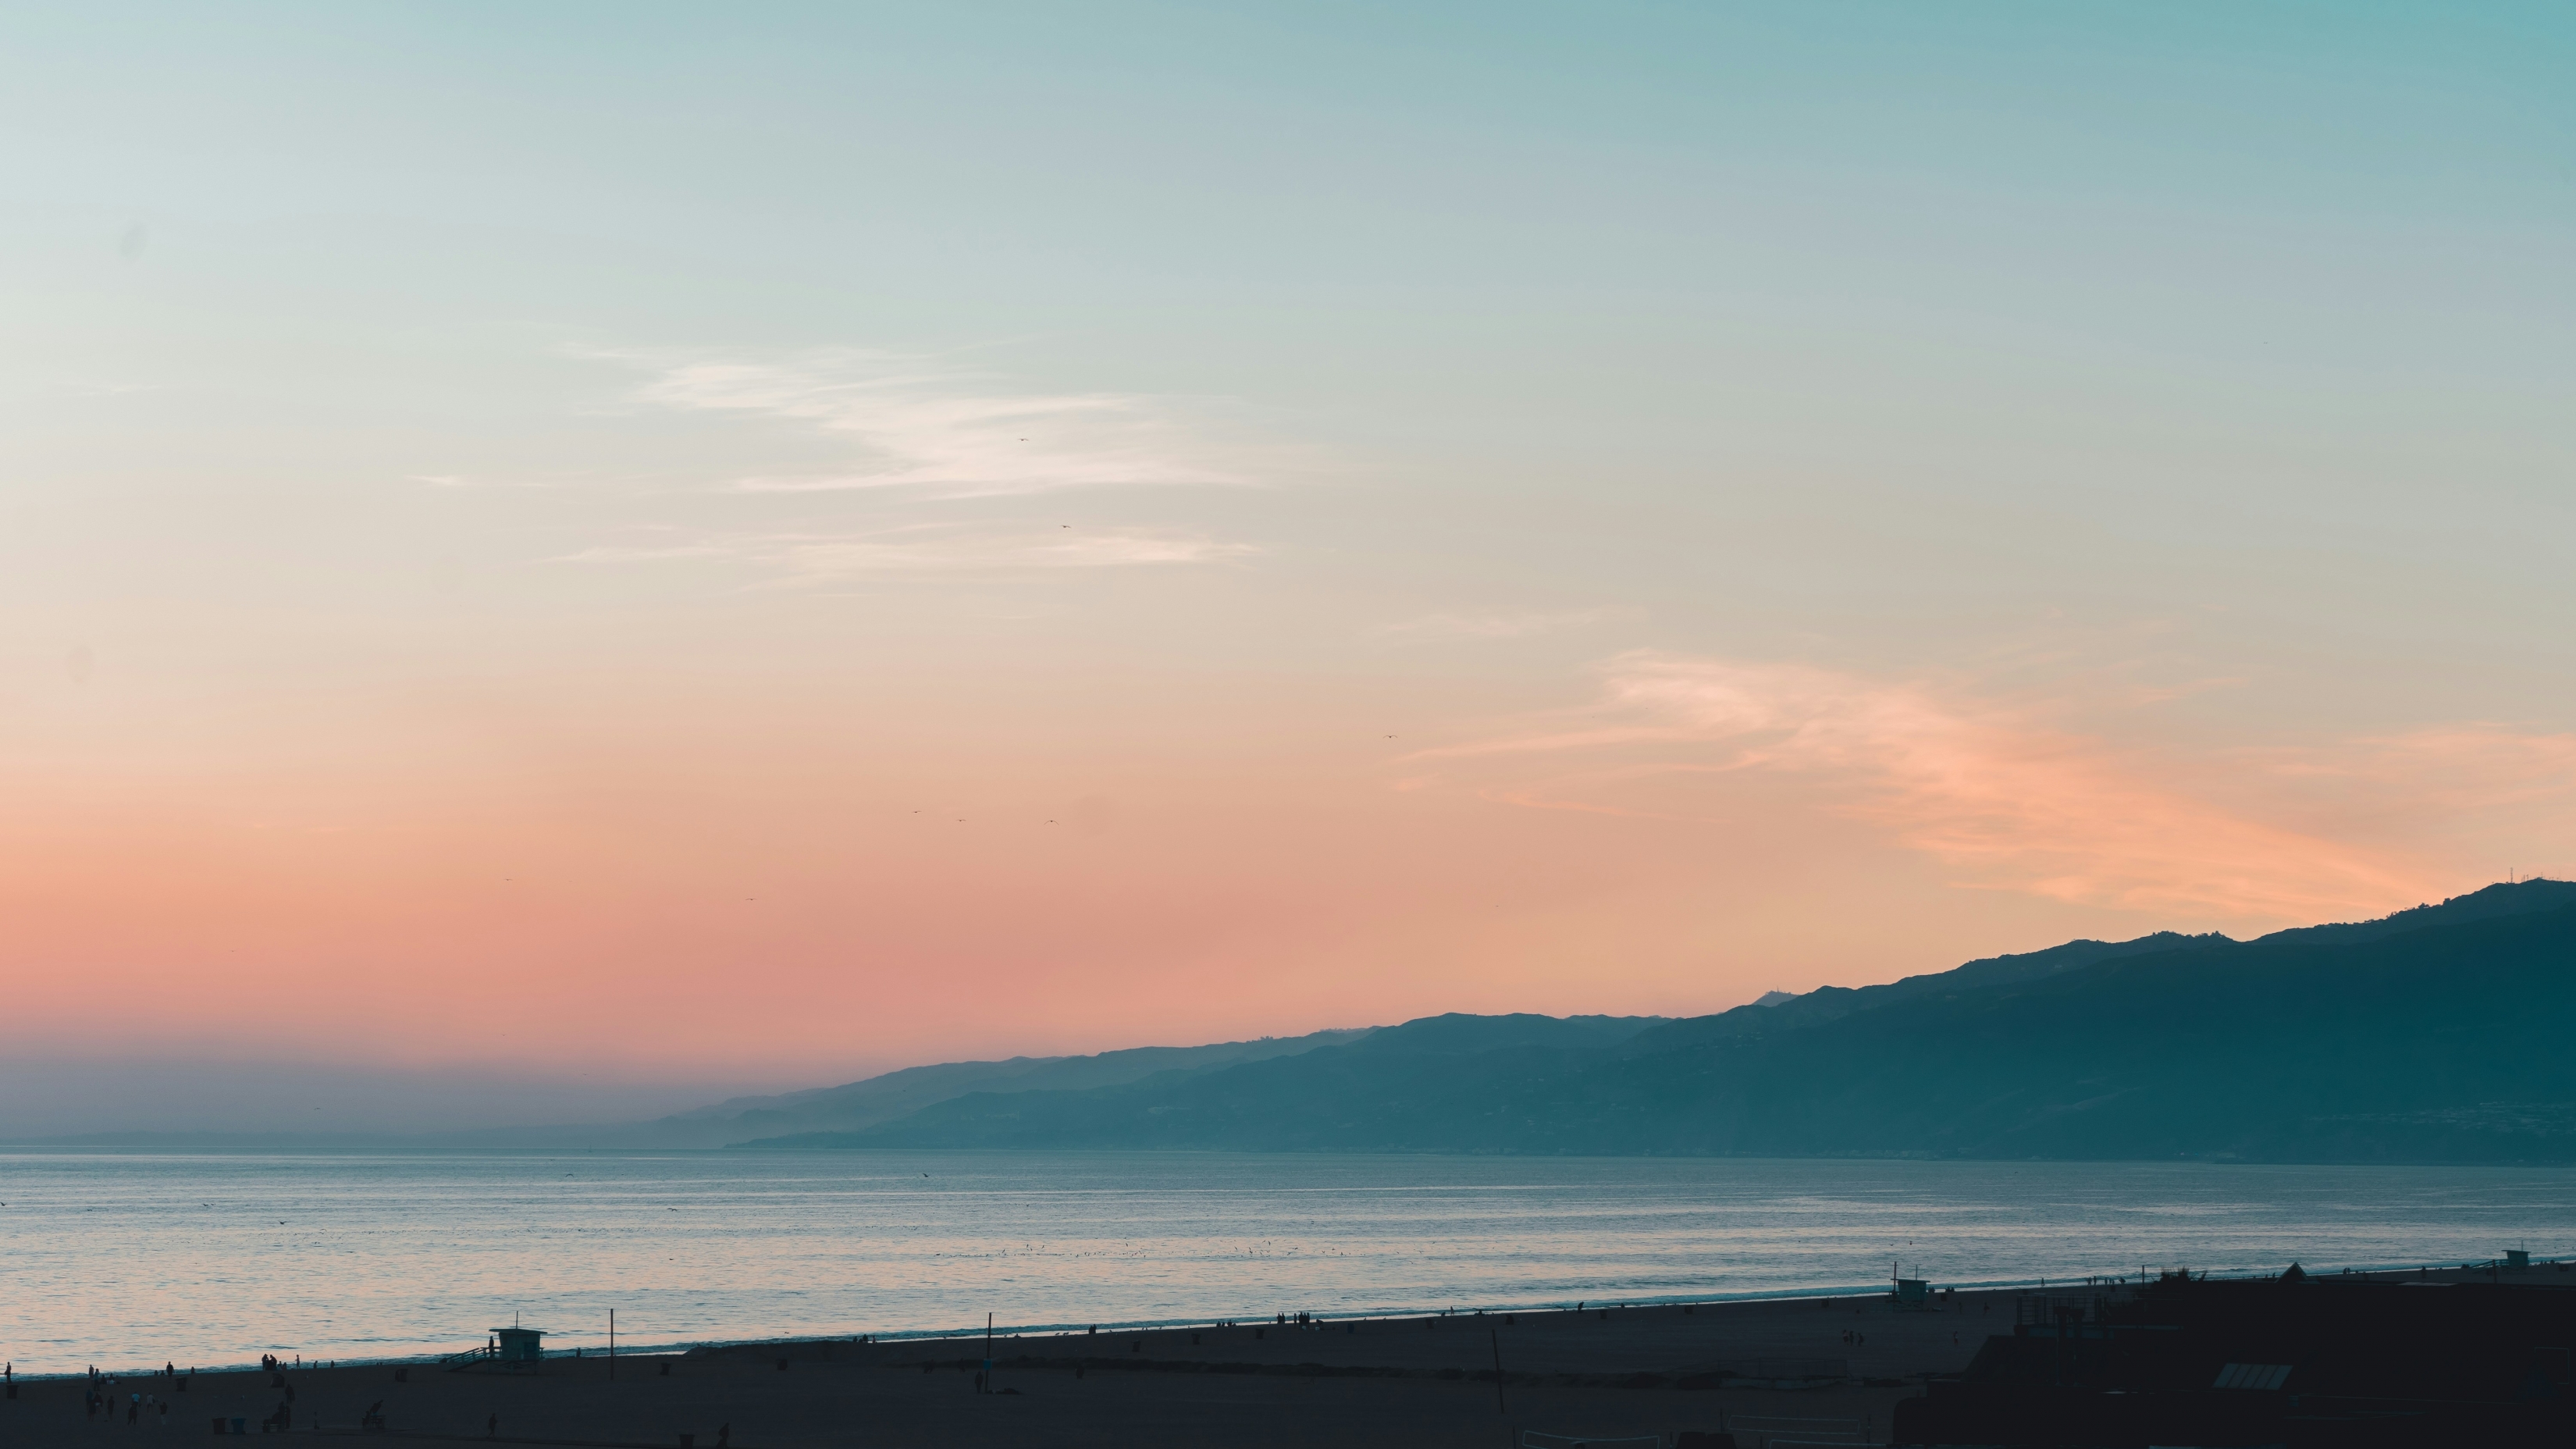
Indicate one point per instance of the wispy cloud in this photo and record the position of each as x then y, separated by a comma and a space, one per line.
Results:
2010, 800
931, 428
919, 548
1450, 627
925, 548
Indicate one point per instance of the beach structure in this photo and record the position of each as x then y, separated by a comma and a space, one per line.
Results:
513, 1348
1910, 1294
2302, 1360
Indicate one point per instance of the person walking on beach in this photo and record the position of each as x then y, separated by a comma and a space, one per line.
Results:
492, 1427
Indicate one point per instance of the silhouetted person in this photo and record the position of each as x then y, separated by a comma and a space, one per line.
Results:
724, 1434
492, 1427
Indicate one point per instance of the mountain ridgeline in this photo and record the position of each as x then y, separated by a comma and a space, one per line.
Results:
2439, 1034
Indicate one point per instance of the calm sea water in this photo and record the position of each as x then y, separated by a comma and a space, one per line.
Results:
126, 1259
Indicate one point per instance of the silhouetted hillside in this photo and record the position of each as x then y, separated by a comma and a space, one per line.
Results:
1417, 1052
894, 1094
886, 1097
1832, 1003
2439, 1034
1458, 1032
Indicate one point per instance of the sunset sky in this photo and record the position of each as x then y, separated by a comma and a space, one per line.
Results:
663, 550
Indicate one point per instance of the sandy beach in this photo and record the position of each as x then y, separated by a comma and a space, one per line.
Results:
1762, 1369
1414, 1381
1601, 1372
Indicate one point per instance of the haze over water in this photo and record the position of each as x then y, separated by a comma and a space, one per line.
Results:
125, 1259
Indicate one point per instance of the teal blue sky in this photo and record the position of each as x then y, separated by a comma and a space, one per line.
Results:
1568, 508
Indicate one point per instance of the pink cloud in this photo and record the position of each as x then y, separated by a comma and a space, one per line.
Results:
2015, 803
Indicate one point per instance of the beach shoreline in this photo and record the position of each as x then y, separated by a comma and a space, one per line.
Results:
1436, 1378
2431, 1273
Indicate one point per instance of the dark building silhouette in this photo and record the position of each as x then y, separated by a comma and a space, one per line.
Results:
2297, 1361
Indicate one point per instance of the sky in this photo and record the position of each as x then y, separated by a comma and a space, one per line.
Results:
624, 549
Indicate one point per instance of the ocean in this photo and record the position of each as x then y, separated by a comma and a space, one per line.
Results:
127, 1259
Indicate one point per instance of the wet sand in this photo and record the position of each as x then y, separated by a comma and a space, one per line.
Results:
1398, 1381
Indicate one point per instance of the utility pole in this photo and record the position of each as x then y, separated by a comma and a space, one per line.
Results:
988, 1353
1499, 1406
612, 1345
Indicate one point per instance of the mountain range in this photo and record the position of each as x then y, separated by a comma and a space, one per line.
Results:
2438, 1034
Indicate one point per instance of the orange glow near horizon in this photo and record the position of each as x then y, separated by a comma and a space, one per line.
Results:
801, 885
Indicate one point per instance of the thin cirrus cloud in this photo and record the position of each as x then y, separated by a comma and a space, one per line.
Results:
2009, 801
926, 428
921, 548
926, 548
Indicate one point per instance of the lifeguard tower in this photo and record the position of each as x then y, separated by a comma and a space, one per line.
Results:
510, 1349
1911, 1295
